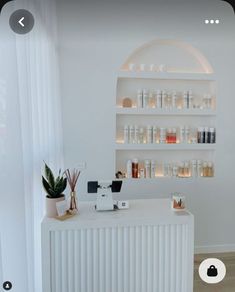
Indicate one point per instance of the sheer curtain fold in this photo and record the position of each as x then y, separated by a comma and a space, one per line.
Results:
40, 121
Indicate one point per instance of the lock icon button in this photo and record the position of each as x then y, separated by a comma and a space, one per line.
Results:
212, 271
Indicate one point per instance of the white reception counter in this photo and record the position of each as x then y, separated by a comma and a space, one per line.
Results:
148, 248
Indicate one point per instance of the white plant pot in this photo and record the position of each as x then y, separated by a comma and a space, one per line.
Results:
51, 211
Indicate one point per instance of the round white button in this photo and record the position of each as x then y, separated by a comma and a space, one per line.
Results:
212, 271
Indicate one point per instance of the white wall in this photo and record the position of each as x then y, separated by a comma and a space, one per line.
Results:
95, 40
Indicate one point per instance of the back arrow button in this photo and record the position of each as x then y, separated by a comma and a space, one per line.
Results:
21, 21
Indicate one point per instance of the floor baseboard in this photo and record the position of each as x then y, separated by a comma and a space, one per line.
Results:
214, 248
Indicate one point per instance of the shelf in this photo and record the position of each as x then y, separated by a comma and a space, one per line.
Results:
167, 76
163, 147
163, 112
164, 178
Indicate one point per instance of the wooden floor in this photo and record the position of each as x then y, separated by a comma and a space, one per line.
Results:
227, 285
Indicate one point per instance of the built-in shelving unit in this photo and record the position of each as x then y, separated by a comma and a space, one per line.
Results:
129, 82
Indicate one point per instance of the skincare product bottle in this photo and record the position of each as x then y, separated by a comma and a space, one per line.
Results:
194, 172
162, 135
169, 169
171, 136
200, 135
141, 135
210, 170
135, 168
168, 101
174, 100
154, 134
186, 169
190, 99
145, 98
212, 136
136, 134
129, 169
147, 168
132, 134
175, 170
206, 135
164, 99
205, 169
159, 99
149, 134
126, 134
152, 99
199, 168
181, 170
165, 170
139, 98
185, 100
193, 138
187, 134
153, 168
182, 135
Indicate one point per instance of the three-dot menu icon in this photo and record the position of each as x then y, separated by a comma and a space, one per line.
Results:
212, 21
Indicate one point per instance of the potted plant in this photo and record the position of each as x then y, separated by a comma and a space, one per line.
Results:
54, 188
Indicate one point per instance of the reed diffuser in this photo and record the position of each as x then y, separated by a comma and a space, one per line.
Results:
72, 177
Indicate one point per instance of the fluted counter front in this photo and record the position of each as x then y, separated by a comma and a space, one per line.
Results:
148, 248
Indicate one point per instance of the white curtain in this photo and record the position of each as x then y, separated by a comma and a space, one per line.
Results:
40, 118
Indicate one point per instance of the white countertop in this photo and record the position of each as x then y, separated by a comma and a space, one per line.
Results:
141, 212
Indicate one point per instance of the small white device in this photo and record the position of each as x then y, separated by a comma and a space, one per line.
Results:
105, 190
122, 205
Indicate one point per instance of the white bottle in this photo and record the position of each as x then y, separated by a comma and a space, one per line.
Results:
126, 134
187, 134
139, 98
154, 134
147, 168
132, 135
149, 134
194, 172
129, 169
152, 99
153, 168
162, 135
136, 134
170, 169
187, 169
141, 135
159, 99
175, 169
190, 100
185, 100
174, 100
168, 100
182, 134
164, 97
145, 98
199, 168
165, 170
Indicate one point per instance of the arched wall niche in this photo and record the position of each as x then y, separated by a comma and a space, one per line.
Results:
172, 56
